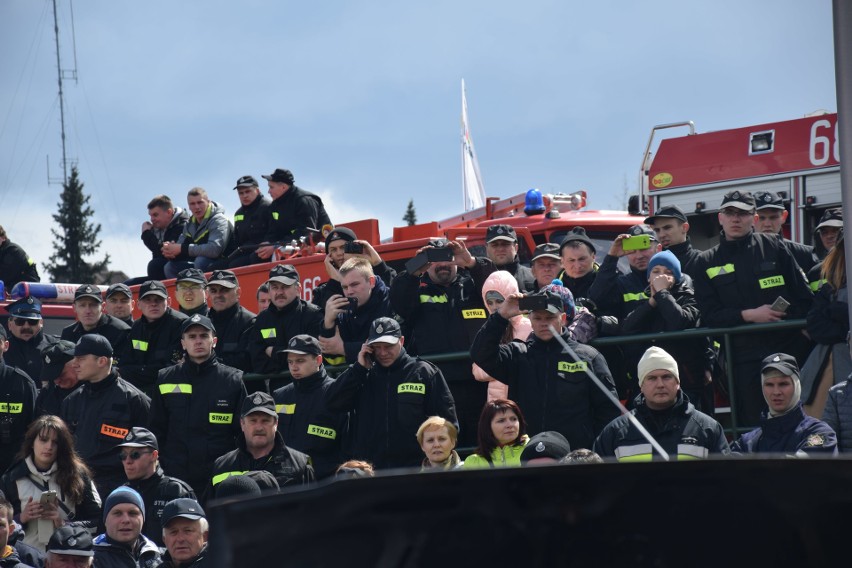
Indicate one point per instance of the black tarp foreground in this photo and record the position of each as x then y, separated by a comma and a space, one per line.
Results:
734, 512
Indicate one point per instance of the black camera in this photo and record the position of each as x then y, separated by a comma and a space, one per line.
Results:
353, 248
440, 254
533, 303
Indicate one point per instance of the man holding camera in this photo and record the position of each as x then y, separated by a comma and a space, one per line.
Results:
347, 320
441, 304
341, 245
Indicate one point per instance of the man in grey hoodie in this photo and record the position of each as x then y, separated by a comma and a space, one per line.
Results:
204, 239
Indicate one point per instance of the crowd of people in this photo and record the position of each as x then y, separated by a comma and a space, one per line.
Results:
125, 428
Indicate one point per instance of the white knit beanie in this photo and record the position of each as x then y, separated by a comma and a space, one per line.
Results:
655, 359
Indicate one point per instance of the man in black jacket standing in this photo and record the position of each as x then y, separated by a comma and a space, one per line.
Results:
194, 407
233, 322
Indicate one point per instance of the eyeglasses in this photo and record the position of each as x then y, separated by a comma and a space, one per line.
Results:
132, 455
183, 287
20, 322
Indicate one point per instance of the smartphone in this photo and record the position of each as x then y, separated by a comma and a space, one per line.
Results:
440, 254
353, 304
416, 263
638, 242
48, 497
353, 248
780, 304
532, 303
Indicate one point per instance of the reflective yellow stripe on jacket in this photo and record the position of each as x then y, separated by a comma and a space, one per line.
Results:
628, 297
427, 299
217, 479
173, 388
715, 271
644, 453
11, 407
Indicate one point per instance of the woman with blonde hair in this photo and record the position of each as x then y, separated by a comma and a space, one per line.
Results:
497, 287
437, 437
50, 486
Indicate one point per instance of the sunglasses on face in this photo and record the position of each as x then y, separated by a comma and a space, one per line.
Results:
135, 455
20, 322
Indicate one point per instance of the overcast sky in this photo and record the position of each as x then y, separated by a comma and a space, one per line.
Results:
362, 100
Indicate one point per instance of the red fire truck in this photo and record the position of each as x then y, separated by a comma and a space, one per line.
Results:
799, 159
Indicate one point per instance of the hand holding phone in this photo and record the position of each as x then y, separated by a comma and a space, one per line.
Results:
48, 497
637, 242
780, 305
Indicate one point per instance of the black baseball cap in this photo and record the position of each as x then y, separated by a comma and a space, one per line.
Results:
738, 199
71, 540
26, 308
340, 233
546, 250
93, 344
246, 181
195, 275
669, 212
259, 402
384, 330
88, 291
139, 437
768, 200
225, 278
501, 233
303, 345
54, 357
548, 444
285, 274
781, 362
831, 218
154, 287
119, 288
578, 234
184, 507
197, 319
280, 175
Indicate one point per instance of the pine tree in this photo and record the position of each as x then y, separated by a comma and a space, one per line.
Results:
77, 238
410, 216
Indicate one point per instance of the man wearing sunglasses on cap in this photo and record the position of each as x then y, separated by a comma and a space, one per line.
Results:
140, 456
26, 336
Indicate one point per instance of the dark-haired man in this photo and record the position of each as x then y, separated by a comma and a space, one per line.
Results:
166, 224
672, 231
251, 223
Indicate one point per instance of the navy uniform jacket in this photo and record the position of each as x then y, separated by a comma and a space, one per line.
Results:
26, 355
354, 327
251, 222
17, 408
151, 346
330, 287
549, 385
683, 432
233, 331
390, 404
791, 433
115, 330
274, 327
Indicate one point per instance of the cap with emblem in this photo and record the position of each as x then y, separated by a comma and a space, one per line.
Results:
197, 319
384, 330
26, 308
224, 278
549, 444
285, 274
739, 200
546, 250
577, 234
303, 345
638, 230
831, 218
119, 288
246, 181
438, 242
340, 234
93, 344
194, 275
88, 291
781, 362
71, 541
768, 200
139, 437
153, 287
258, 402
54, 357
500, 233
670, 212
185, 508
281, 175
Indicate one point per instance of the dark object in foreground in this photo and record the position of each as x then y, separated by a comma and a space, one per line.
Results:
786, 513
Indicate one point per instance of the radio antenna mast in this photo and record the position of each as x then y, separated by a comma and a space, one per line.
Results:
60, 73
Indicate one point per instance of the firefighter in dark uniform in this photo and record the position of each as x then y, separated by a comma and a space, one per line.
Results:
154, 340
501, 246
191, 292
442, 309
286, 316
672, 230
549, 384
140, 457
60, 377
194, 407
261, 447
293, 213
392, 393
251, 223
737, 282
27, 339
17, 406
89, 307
661, 407
578, 262
305, 421
233, 322
118, 302
15, 264
771, 216
336, 254
102, 412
